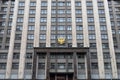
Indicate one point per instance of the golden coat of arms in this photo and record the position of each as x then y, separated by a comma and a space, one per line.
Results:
61, 40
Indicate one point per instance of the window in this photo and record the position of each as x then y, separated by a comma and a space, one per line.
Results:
41, 66
79, 36
19, 28
104, 36
20, 19
32, 3
17, 45
32, 11
4, 16
107, 65
28, 55
89, 3
53, 36
53, 19
52, 65
79, 45
93, 55
0, 40
61, 3
53, 3
69, 36
53, 27
42, 36
77, 3
89, 11
78, 19
101, 11
91, 27
29, 45
78, 11
31, 19
92, 45
1, 31
81, 56
61, 65
90, 19
79, 27
20, 11
92, 36
94, 65
117, 55
15, 65
11, 9
10, 16
43, 3
43, 11
9, 23
4, 9
3, 55
103, 27
31, 27
53, 11
105, 45
81, 65
106, 55
42, 28
2, 65
68, 3
100, 4
18, 37
21, 4
43, 20
69, 28
30, 37
69, 66
42, 45
28, 65
102, 19
61, 20
62, 11
118, 65
61, 28
16, 55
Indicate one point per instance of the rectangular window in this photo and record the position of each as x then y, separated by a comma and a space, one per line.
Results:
2, 65
31, 19
77, 3
81, 65
32, 3
19, 19
79, 36
32, 11
92, 36
29, 45
78, 19
16, 55
3, 55
41, 66
31, 27
21, 4
15, 65
20, 11
43, 3
43, 19
28, 65
61, 65
94, 65
18, 37
43, 11
42, 36
30, 37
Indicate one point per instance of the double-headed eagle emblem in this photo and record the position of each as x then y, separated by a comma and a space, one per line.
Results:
61, 40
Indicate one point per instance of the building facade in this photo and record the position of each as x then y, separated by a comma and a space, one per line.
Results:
60, 39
